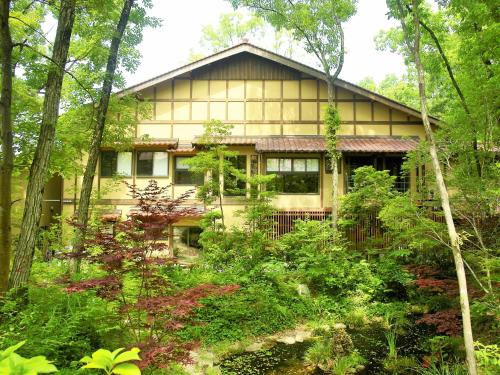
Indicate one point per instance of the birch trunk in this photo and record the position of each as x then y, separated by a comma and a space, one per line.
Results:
445, 203
23, 258
102, 110
7, 155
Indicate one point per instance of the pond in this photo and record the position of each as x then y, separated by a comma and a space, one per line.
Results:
287, 359
281, 359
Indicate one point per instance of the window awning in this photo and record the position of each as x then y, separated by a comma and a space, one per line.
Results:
156, 142
345, 144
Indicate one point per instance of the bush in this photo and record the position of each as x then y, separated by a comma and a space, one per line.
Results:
59, 326
254, 310
321, 260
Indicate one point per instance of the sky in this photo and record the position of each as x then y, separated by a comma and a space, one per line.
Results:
167, 47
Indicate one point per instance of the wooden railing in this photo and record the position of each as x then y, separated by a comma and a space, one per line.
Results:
370, 233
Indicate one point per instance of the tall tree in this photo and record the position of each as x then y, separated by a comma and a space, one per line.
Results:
98, 131
7, 155
23, 257
317, 23
410, 23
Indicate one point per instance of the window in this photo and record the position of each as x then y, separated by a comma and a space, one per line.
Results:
182, 174
295, 175
186, 238
113, 163
152, 163
393, 164
233, 186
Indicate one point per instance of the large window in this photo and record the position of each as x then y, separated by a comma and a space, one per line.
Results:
182, 174
116, 163
151, 163
295, 175
393, 164
234, 186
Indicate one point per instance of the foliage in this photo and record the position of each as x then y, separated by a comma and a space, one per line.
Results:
399, 365
214, 161
257, 309
60, 326
12, 363
401, 89
116, 362
319, 258
371, 190
317, 23
332, 125
151, 310
488, 358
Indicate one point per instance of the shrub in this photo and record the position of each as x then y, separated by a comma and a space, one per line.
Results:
60, 326
13, 363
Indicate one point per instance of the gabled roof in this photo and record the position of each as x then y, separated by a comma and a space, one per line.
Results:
279, 59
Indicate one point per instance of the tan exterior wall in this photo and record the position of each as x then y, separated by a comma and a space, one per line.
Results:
255, 108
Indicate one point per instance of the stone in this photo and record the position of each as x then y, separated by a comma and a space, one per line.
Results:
303, 290
339, 326
287, 340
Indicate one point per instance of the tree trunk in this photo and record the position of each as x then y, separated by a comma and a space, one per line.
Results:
95, 145
23, 258
445, 202
7, 156
335, 158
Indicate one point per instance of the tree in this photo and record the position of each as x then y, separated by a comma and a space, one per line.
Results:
214, 162
98, 131
231, 30
411, 28
402, 89
24, 252
235, 27
317, 23
7, 161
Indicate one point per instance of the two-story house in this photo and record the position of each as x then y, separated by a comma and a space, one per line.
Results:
276, 106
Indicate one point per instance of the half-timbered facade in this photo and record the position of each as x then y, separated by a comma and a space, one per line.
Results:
276, 108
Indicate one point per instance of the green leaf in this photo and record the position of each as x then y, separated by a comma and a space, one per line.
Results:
126, 369
40, 364
11, 349
130, 355
115, 353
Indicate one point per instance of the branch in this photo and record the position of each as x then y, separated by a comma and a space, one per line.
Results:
65, 70
32, 29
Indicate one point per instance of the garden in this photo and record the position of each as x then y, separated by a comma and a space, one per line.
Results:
306, 303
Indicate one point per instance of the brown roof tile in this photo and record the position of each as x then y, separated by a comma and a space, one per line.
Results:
291, 144
234, 140
156, 142
377, 144
345, 144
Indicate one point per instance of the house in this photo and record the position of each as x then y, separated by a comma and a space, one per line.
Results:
276, 106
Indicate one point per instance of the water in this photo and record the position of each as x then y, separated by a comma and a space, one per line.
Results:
283, 359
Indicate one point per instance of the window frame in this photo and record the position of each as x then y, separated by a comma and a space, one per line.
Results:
379, 162
193, 175
292, 172
137, 152
114, 166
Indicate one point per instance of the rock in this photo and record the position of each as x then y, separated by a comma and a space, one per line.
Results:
300, 336
287, 340
339, 326
303, 290
256, 346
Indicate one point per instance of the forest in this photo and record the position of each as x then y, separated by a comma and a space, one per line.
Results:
91, 295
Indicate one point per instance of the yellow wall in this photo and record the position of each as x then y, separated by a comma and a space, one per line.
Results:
254, 108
